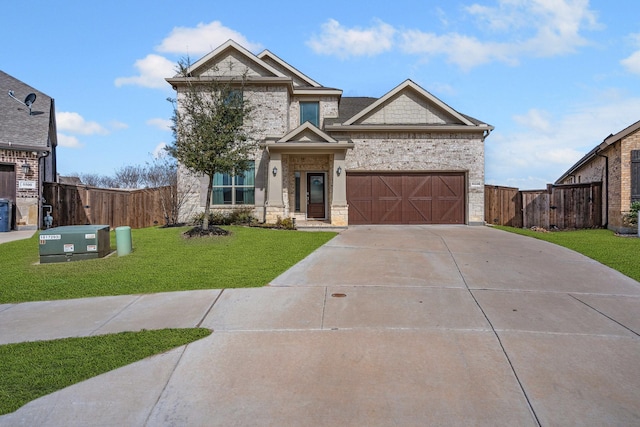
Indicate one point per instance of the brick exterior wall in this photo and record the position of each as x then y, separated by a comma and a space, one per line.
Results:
384, 151
27, 200
619, 186
631, 142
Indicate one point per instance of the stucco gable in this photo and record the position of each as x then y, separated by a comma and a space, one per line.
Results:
409, 104
307, 133
232, 60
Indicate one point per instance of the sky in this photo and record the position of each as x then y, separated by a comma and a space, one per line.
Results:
555, 77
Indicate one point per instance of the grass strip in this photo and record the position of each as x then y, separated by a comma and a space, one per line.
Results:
34, 369
162, 261
604, 246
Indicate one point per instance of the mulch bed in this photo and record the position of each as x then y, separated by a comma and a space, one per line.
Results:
201, 232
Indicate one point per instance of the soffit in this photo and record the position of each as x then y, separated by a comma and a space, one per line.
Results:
300, 79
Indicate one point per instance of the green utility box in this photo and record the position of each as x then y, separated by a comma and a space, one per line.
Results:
74, 243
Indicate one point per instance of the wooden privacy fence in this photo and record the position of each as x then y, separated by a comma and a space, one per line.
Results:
559, 206
80, 205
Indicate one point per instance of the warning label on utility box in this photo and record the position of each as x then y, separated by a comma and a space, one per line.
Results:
68, 247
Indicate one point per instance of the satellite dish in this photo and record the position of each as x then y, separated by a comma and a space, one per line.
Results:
30, 99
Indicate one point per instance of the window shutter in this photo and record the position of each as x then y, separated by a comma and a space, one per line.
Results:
635, 175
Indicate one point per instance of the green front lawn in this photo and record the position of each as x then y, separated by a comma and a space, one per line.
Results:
34, 369
619, 253
162, 260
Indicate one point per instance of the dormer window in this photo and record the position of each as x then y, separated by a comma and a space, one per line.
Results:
310, 112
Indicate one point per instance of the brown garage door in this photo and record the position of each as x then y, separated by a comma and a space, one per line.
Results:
406, 198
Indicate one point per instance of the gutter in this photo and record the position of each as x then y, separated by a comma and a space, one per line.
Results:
606, 200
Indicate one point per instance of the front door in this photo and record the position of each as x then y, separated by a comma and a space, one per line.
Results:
315, 195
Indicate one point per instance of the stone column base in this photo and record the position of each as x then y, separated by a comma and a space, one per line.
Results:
271, 214
340, 216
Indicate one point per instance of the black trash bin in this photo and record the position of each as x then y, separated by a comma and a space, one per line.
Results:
5, 215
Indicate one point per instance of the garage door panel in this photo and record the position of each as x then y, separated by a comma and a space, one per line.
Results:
417, 212
360, 212
447, 212
387, 211
360, 187
409, 198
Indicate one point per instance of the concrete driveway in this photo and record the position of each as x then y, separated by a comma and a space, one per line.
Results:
385, 325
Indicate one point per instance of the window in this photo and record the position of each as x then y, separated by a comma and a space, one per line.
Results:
310, 112
233, 97
635, 175
235, 190
297, 192
233, 100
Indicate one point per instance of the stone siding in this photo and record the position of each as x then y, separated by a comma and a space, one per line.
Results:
328, 109
269, 118
408, 108
425, 152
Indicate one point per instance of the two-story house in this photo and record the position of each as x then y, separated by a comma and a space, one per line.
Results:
403, 158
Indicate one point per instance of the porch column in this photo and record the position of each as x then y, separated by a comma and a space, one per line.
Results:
275, 203
339, 208
339, 180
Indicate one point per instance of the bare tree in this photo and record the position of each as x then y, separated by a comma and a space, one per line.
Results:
163, 172
131, 176
209, 127
97, 180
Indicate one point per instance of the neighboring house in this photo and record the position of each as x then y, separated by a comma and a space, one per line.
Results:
616, 164
27, 149
404, 158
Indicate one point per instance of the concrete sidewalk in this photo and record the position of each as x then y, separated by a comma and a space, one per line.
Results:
10, 236
422, 325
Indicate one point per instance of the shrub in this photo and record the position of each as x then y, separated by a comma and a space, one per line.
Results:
286, 224
235, 216
631, 217
281, 224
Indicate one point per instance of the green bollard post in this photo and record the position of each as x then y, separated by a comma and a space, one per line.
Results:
123, 240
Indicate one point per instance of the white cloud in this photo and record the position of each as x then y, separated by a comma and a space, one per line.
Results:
509, 31
184, 41
343, 42
118, 125
632, 63
162, 124
68, 141
543, 147
464, 51
159, 151
153, 69
202, 39
75, 123
537, 120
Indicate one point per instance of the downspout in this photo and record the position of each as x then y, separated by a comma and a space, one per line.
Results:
606, 202
42, 172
